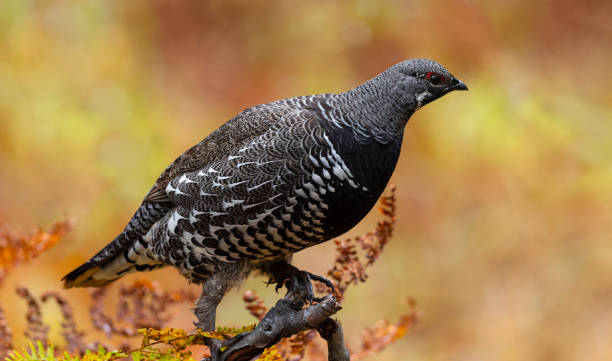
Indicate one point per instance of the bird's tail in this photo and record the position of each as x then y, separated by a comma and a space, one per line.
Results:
112, 263
130, 252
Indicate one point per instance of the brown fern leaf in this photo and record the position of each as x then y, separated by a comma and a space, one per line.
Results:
374, 242
37, 330
348, 268
149, 303
254, 304
294, 348
384, 333
99, 319
6, 336
141, 305
73, 337
15, 249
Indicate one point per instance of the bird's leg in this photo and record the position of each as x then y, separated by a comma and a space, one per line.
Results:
206, 306
296, 281
205, 310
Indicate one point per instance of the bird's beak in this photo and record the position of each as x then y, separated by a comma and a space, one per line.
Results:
458, 85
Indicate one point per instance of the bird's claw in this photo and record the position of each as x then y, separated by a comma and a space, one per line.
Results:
300, 283
323, 280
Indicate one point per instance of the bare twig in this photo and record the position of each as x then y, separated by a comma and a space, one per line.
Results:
331, 331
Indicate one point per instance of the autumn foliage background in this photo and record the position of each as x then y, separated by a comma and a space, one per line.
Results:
504, 192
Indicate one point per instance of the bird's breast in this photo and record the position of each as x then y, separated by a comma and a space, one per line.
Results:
347, 184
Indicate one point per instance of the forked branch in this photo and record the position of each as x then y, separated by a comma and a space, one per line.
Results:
286, 318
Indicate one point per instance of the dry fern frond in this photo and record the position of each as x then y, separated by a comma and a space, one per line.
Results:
348, 268
15, 249
294, 348
73, 337
141, 305
99, 318
5, 336
384, 333
36, 331
148, 303
254, 304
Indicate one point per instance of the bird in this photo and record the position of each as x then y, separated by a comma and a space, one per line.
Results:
273, 180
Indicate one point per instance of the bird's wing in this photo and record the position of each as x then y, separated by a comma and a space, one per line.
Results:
247, 125
242, 204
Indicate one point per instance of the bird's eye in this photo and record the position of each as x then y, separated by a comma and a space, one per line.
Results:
435, 78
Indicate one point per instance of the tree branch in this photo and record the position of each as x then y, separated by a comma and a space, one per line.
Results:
286, 318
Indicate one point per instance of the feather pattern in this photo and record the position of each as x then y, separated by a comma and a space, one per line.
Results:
275, 179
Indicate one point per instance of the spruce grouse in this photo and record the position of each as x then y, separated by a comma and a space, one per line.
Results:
275, 179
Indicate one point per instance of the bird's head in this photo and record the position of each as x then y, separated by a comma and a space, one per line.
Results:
421, 81
380, 108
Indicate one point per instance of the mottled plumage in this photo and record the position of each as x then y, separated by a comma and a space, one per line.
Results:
275, 179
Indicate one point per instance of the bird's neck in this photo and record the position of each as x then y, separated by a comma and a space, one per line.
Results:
375, 111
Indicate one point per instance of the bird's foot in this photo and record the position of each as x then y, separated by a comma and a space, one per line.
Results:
215, 346
297, 281
323, 280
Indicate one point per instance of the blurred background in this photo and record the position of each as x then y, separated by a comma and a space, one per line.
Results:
505, 192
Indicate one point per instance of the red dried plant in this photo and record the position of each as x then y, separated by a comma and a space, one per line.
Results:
141, 305
37, 330
6, 336
15, 249
348, 268
384, 333
73, 337
254, 304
